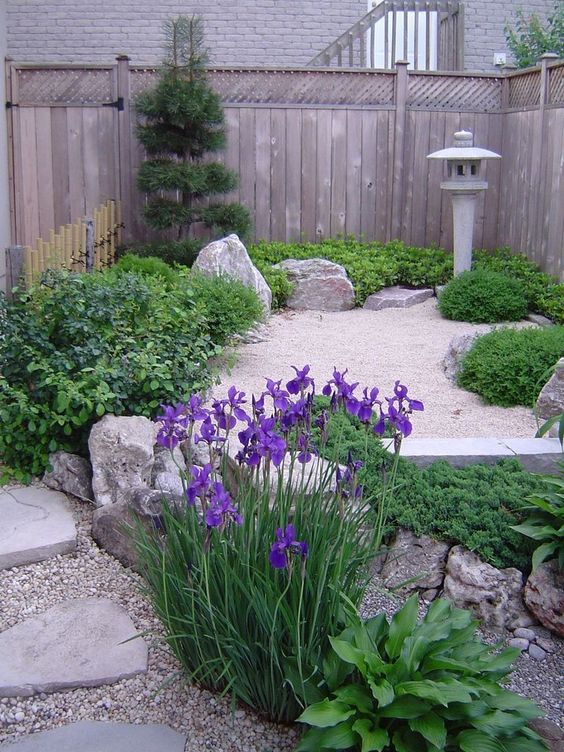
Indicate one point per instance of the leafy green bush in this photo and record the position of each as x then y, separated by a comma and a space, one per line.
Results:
370, 266
227, 305
240, 617
409, 687
182, 252
78, 346
508, 367
543, 294
474, 506
482, 296
531, 38
279, 283
146, 265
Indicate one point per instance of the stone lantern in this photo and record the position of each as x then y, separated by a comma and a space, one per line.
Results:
464, 165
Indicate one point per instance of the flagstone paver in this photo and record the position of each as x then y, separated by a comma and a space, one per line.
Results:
397, 297
95, 736
36, 524
77, 643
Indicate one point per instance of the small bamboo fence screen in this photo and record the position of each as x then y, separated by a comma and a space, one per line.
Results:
88, 244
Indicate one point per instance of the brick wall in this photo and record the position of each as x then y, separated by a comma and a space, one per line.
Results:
484, 24
238, 32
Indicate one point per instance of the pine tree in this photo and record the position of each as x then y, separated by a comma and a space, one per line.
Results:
182, 123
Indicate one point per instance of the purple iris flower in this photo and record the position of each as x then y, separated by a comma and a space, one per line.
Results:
280, 397
221, 509
306, 450
208, 433
173, 428
200, 483
297, 412
301, 382
366, 404
340, 389
286, 545
269, 444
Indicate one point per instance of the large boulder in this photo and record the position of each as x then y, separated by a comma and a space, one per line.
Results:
493, 594
229, 256
550, 401
122, 457
319, 285
457, 349
544, 596
417, 562
70, 474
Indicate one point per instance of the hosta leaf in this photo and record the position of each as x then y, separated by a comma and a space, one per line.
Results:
543, 552
401, 626
405, 707
431, 727
526, 745
438, 610
406, 741
326, 713
353, 694
446, 664
376, 627
441, 693
382, 691
311, 741
348, 653
339, 737
506, 700
463, 710
477, 741
498, 722
373, 740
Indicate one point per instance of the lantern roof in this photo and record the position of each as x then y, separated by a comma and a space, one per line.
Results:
463, 149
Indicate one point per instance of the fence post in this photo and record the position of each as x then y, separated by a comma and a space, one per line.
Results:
15, 255
124, 145
398, 177
89, 244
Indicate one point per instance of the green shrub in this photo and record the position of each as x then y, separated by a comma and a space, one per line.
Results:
182, 252
77, 346
146, 265
227, 305
409, 687
279, 283
508, 367
482, 296
474, 506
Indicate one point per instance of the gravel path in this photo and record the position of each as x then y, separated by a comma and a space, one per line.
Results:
379, 347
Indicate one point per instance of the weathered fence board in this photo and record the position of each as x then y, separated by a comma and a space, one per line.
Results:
319, 153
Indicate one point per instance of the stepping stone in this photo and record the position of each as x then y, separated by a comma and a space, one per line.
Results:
36, 524
77, 643
397, 297
95, 736
536, 455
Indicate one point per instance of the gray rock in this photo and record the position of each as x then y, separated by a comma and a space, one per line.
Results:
121, 452
537, 318
524, 620
96, 736
493, 594
71, 474
259, 333
411, 557
550, 732
229, 256
544, 596
537, 653
550, 401
457, 349
112, 527
36, 524
519, 643
397, 297
319, 285
167, 462
525, 634
169, 484
78, 643
147, 502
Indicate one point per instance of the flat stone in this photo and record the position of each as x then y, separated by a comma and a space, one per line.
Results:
519, 643
539, 319
537, 653
36, 524
536, 455
70, 474
77, 643
525, 634
95, 736
414, 563
397, 297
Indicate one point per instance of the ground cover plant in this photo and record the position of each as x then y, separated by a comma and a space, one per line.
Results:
257, 566
474, 506
509, 367
77, 346
406, 686
481, 296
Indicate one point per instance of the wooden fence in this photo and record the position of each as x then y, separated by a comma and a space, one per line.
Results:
319, 152
87, 244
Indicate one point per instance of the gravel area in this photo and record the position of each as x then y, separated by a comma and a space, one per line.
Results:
379, 347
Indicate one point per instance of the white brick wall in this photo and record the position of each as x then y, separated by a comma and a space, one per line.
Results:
238, 32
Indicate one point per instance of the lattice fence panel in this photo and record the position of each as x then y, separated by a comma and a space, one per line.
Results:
304, 87
141, 79
524, 90
556, 85
64, 86
454, 93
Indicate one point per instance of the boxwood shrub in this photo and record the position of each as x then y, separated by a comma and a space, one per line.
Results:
482, 297
509, 367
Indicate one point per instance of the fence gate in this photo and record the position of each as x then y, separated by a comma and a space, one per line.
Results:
64, 132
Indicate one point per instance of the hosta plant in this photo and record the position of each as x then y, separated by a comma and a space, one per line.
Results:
406, 686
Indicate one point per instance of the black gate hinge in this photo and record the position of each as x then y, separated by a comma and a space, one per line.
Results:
9, 105
118, 104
